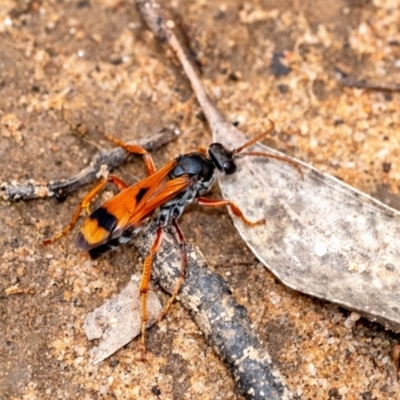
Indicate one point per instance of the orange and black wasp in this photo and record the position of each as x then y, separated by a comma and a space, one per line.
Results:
163, 195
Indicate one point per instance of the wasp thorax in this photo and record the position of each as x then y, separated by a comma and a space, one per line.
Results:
222, 158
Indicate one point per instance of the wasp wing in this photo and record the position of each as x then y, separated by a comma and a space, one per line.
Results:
171, 189
116, 215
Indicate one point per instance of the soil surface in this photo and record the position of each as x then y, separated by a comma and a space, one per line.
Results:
93, 63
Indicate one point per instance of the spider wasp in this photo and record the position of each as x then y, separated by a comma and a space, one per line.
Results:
163, 195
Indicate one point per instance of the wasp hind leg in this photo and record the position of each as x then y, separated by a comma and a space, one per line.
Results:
146, 276
85, 204
235, 209
178, 235
144, 286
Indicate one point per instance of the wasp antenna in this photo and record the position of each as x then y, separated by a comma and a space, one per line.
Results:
256, 138
275, 157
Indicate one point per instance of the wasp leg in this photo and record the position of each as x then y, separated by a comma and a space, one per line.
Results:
120, 184
235, 209
144, 285
85, 203
135, 149
178, 235
202, 150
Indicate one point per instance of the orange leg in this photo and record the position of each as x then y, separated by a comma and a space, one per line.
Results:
135, 149
235, 209
184, 267
144, 285
120, 184
85, 203
202, 150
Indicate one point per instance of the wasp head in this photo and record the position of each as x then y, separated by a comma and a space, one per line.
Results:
222, 158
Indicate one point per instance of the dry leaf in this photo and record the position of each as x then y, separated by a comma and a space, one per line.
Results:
321, 236
118, 321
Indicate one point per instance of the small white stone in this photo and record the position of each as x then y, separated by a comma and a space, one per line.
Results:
320, 249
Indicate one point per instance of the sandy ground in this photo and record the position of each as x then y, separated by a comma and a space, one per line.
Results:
95, 63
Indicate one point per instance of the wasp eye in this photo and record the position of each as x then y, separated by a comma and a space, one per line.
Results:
230, 167
222, 158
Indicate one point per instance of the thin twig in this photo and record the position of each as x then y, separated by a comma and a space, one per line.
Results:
223, 321
348, 81
104, 160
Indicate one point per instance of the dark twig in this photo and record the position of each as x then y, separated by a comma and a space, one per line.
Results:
348, 81
223, 321
103, 161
